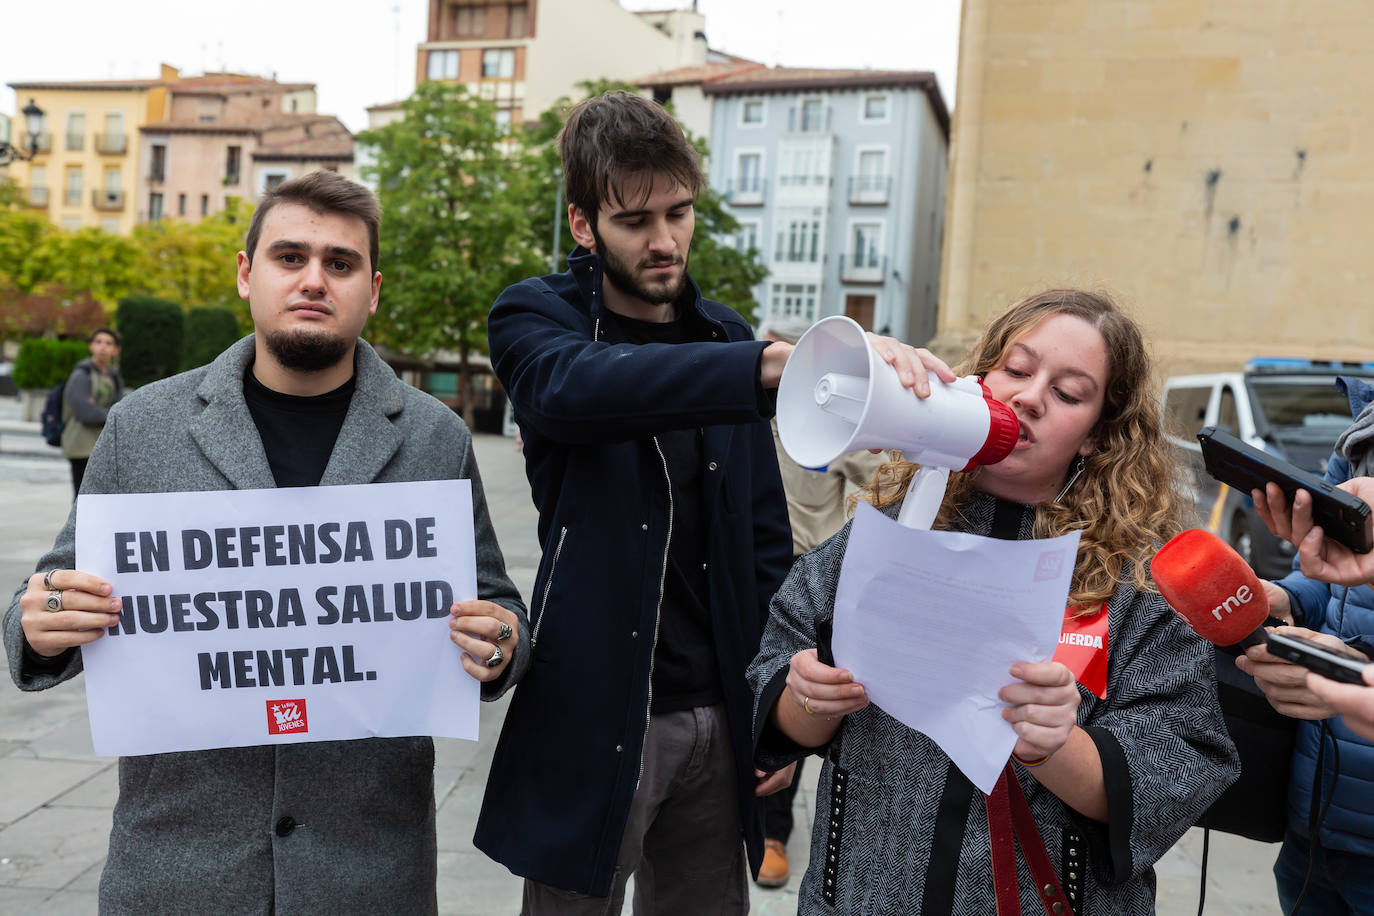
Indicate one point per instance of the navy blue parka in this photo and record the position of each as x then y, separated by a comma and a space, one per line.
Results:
589, 405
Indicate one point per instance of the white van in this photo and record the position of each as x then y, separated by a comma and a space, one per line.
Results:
1288, 407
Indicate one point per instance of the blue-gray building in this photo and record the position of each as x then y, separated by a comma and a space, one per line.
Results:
837, 178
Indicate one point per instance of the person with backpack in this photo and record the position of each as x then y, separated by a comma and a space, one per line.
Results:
91, 390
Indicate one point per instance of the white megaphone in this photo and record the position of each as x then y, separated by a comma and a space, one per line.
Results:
837, 396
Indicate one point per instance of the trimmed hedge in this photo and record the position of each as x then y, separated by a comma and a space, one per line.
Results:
44, 363
152, 331
210, 330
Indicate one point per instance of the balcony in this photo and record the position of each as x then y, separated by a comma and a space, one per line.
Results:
157, 175
37, 197
76, 142
112, 144
869, 190
43, 141
107, 200
231, 178
862, 268
746, 192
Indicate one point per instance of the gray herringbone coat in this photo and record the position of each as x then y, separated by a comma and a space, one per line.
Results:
194, 832
1165, 752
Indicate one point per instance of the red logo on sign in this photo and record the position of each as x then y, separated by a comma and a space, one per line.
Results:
286, 717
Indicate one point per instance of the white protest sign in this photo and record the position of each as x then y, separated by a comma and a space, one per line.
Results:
279, 616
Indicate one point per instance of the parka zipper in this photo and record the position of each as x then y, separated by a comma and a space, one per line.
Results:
548, 584
658, 611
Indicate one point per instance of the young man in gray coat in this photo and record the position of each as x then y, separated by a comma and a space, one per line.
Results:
344, 826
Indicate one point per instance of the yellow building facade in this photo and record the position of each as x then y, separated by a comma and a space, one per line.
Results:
85, 171
1207, 163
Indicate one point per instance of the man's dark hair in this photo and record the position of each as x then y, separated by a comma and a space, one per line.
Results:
98, 331
614, 138
324, 192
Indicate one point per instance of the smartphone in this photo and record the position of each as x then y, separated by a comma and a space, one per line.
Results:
1344, 518
1306, 652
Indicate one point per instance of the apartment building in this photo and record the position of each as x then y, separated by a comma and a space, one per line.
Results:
837, 178
227, 135
524, 56
86, 162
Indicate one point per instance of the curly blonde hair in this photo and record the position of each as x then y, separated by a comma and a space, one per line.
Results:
1124, 502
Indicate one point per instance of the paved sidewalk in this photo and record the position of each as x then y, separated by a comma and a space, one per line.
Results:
56, 795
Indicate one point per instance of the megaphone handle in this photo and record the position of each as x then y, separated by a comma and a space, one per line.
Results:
923, 497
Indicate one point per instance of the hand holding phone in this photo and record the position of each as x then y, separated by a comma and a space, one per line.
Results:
1312, 655
1343, 517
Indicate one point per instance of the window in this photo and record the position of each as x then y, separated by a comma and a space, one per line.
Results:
155, 206
157, 165
798, 237
1185, 409
498, 63
747, 237
233, 161
503, 116
874, 108
73, 185
812, 116
872, 166
861, 309
469, 21
1228, 417
71, 223
181, 205
272, 179
663, 94
113, 140
748, 171
793, 300
205, 205
517, 20
443, 65
114, 180
76, 130
867, 245
109, 224
751, 111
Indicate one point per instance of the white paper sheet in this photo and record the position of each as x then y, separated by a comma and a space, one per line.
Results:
930, 622
356, 660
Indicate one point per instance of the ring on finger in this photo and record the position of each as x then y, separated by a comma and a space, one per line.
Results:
47, 579
497, 658
806, 704
54, 601
504, 633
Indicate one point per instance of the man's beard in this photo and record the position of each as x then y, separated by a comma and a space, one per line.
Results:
304, 351
621, 274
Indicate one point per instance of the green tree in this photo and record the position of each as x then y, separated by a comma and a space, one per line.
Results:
455, 190
193, 263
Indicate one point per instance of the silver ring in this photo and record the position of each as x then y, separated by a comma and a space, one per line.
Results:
53, 601
504, 633
47, 579
497, 658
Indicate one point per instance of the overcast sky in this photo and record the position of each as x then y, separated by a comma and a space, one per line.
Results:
362, 52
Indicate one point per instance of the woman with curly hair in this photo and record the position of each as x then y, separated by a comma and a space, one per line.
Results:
1111, 782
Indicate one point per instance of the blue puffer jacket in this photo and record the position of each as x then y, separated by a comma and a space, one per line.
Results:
589, 407
1349, 824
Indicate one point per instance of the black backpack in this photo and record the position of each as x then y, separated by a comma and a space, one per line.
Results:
52, 415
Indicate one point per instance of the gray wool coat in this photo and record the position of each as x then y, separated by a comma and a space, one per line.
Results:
202, 831
899, 831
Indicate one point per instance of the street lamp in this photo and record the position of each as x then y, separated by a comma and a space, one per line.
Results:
33, 122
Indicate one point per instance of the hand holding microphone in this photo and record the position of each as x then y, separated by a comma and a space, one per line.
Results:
1222, 600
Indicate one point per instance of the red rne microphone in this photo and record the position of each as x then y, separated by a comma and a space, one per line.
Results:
1215, 592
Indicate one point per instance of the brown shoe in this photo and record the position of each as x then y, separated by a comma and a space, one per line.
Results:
774, 871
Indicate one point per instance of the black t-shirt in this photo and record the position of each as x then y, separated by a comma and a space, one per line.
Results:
298, 433
685, 670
